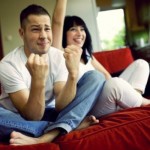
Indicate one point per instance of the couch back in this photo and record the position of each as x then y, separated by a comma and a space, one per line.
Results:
115, 60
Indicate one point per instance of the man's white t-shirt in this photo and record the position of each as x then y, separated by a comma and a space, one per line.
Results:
14, 75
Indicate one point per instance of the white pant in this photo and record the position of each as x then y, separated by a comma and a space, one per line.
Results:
119, 92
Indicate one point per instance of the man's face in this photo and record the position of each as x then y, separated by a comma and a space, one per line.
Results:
37, 34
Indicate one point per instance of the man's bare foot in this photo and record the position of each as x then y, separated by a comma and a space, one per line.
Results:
88, 121
16, 138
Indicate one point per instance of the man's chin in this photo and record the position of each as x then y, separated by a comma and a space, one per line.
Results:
43, 52
40, 52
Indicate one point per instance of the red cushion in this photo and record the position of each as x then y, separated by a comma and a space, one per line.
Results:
44, 146
127, 129
115, 60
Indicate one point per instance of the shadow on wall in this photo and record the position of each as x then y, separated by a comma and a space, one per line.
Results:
1, 46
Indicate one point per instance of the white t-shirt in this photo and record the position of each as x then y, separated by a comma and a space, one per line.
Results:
14, 75
84, 68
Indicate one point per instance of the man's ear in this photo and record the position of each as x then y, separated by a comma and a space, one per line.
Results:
21, 32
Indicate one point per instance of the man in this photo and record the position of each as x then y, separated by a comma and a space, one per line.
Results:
40, 92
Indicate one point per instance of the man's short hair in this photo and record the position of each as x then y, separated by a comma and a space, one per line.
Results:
32, 10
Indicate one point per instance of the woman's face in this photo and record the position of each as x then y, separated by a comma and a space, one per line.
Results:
76, 36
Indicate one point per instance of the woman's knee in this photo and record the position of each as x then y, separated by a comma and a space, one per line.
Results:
141, 63
113, 84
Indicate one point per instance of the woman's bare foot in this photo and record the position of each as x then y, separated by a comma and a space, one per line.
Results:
145, 102
88, 121
16, 138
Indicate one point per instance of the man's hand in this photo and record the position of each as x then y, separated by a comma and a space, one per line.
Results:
66, 92
72, 55
38, 67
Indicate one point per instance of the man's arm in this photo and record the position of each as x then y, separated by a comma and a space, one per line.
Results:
31, 104
58, 22
65, 93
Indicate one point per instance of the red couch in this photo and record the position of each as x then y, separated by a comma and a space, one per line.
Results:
126, 129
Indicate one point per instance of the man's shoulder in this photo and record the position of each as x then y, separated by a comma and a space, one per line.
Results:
55, 53
12, 59
54, 50
14, 53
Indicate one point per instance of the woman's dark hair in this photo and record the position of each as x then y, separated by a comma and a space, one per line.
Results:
71, 21
32, 9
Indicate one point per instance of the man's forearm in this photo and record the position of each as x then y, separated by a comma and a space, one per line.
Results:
67, 94
35, 107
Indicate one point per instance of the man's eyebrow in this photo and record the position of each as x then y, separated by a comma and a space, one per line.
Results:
34, 25
47, 25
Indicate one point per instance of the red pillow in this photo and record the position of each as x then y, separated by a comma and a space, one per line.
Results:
125, 130
115, 60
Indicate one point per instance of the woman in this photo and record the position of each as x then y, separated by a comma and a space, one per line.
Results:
118, 93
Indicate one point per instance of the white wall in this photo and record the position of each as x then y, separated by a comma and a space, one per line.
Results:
9, 18
88, 11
